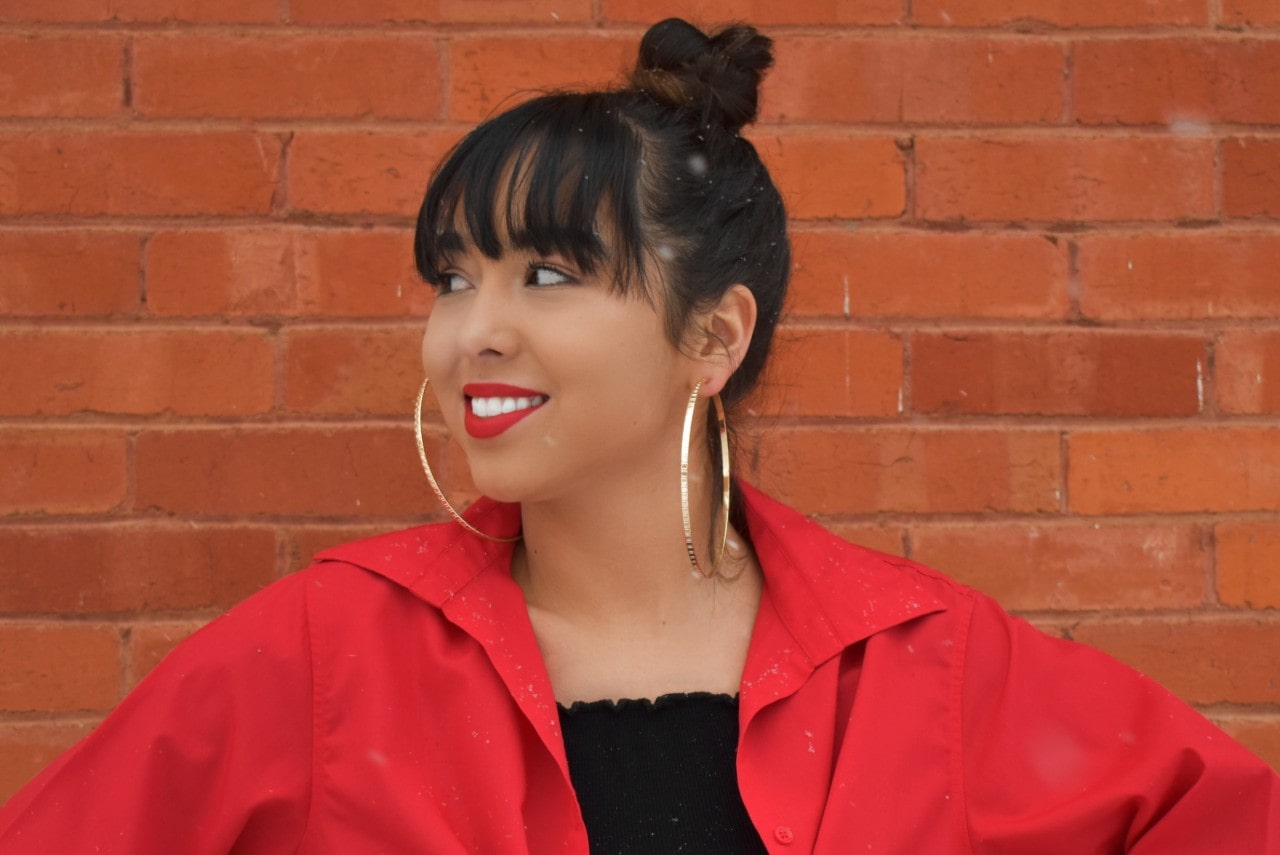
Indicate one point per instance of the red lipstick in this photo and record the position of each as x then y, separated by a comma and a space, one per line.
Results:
486, 427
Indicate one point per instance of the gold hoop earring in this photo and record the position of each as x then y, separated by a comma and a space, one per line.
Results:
431, 478
684, 481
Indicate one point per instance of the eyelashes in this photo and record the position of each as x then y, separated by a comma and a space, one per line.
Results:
539, 274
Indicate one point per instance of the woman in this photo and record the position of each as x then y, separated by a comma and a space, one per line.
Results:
620, 650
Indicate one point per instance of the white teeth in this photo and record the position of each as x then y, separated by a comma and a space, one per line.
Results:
485, 407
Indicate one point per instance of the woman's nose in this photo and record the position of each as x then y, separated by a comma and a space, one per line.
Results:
488, 329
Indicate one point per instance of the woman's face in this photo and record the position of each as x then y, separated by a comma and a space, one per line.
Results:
549, 380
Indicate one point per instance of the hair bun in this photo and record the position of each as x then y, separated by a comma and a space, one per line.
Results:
717, 76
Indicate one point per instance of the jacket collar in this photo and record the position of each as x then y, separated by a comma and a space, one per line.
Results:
827, 593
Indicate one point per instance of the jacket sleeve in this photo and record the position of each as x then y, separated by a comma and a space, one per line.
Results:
1065, 750
211, 752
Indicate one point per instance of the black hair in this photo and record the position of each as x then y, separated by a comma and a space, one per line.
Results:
652, 182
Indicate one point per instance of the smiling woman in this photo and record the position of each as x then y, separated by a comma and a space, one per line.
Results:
620, 648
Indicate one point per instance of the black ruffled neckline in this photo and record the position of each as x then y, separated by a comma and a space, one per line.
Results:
666, 701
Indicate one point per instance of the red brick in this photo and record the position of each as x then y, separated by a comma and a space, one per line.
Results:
353, 76
61, 76
835, 175
100, 569
1260, 734
345, 371
833, 372
193, 11
1072, 566
886, 470
1250, 13
114, 173
1251, 177
27, 747
440, 11
883, 538
316, 472
303, 542
1060, 373
183, 372
69, 273
151, 642
1179, 275
58, 667
1058, 13
943, 80
1178, 470
1201, 661
1247, 371
363, 173
1248, 555
1064, 179
61, 472
1184, 83
710, 13
928, 274
486, 72
285, 271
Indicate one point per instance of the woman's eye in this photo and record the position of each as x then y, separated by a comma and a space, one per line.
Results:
452, 282
542, 274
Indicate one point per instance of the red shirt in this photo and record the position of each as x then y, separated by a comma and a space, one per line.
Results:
392, 698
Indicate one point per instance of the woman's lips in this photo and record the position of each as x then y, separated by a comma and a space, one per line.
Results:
493, 408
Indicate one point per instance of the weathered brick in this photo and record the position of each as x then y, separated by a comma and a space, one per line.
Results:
363, 172
761, 13
317, 472
1059, 13
287, 76
1071, 179
1251, 177
111, 569
440, 11
142, 372
1248, 559
910, 81
1185, 83
833, 372
485, 71
61, 471
137, 173
928, 274
1060, 373
285, 271
345, 371
1179, 275
1072, 566
69, 272
1250, 13
1174, 470
1201, 661
1247, 371
835, 175
58, 667
61, 75
141, 11
824, 470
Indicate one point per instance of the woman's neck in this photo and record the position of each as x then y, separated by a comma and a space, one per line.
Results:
615, 549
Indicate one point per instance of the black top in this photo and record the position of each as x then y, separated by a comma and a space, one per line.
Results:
659, 776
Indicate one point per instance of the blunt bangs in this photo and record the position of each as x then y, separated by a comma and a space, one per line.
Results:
556, 175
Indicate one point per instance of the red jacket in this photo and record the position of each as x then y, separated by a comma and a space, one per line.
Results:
392, 699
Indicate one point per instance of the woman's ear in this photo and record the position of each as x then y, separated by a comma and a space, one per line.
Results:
726, 333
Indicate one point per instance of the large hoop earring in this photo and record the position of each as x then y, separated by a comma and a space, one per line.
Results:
684, 481
431, 478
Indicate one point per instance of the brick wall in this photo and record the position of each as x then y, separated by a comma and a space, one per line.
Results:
1034, 338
